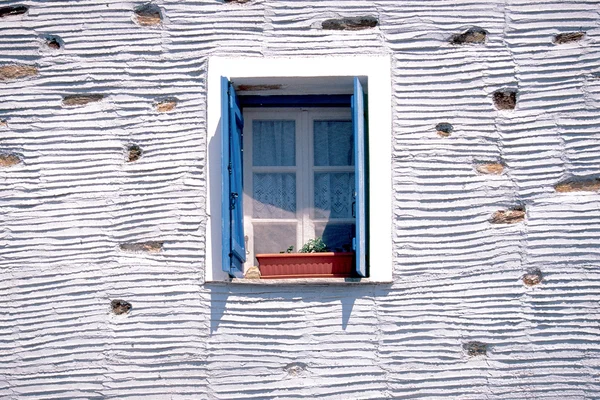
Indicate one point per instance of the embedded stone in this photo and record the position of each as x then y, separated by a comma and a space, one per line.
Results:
474, 35
166, 105
81, 99
505, 99
582, 185
475, 348
568, 37
120, 307
146, 247
533, 277
8, 160
350, 24
148, 14
13, 10
492, 168
3, 123
53, 42
15, 71
444, 129
511, 216
134, 153
295, 368
252, 273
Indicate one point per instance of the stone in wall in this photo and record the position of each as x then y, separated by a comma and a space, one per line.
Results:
13, 10
568, 37
350, 24
578, 185
533, 277
120, 307
490, 168
74, 100
134, 153
473, 35
8, 160
16, 71
148, 15
166, 105
512, 216
444, 129
475, 348
505, 99
53, 42
147, 247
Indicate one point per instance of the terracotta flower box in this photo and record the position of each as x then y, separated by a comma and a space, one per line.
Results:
306, 265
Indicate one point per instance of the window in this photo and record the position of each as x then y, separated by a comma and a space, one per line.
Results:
303, 169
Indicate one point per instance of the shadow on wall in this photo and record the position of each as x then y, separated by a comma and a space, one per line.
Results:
269, 305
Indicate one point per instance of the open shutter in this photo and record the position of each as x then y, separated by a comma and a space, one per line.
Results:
360, 198
232, 123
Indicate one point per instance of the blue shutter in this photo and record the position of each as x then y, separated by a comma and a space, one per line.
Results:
232, 211
360, 198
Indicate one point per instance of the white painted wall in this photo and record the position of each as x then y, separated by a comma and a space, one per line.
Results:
456, 278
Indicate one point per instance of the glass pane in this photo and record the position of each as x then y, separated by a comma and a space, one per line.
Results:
273, 143
337, 237
334, 195
333, 143
274, 195
273, 238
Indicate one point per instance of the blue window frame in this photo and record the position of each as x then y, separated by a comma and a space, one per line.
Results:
233, 239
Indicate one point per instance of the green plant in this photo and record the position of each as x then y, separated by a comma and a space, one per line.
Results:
288, 250
316, 245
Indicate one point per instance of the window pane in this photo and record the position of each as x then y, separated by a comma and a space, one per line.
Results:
337, 237
274, 195
334, 194
333, 143
273, 143
273, 238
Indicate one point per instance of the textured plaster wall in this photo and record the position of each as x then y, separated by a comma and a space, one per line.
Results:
496, 291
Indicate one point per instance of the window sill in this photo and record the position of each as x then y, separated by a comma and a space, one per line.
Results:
301, 281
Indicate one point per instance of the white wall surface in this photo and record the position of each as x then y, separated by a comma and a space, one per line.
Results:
73, 200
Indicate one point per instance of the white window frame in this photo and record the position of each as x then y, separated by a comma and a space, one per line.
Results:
377, 70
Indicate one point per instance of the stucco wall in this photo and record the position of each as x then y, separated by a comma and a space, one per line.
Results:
82, 226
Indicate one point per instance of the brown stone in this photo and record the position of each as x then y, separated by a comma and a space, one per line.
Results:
134, 153
444, 129
15, 71
166, 105
568, 37
492, 168
8, 160
505, 99
583, 185
13, 10
474, 35
120, 306
3, 123
53, 43
350, 24
252, 273
147, 247
512, 216
475, 348
148, 15
533, 277
81, 99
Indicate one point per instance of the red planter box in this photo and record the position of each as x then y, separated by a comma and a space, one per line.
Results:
305, 265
